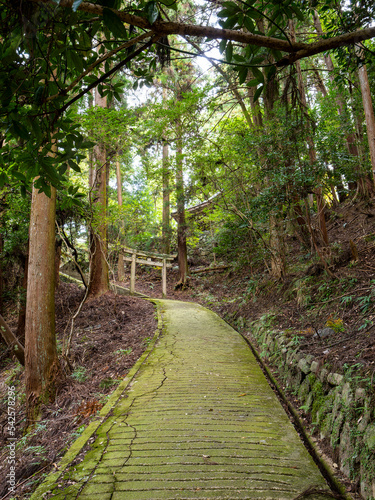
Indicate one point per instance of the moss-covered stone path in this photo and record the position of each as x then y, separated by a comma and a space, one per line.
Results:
198, 420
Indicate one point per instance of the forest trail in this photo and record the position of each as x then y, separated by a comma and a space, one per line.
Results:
197, 420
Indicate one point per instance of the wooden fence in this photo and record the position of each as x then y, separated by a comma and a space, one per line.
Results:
150, 259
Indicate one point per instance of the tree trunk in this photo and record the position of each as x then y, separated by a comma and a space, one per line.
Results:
120, 262
181, 220
166, 217
58, 245
42, 366
255, 108
310, 142
278, 263
99, 270
369, 111
91, 152
21, 324
352, 145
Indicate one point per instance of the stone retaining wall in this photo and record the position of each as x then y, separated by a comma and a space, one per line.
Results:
341, 406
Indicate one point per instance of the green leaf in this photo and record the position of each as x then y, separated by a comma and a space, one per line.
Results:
171, 4
222, 46
38, 96
87, 144
46, 189
18, 175
253, 83
298, 13
76, 4
249, 25
34, 124
152, 11
258, 75
74, 166
62, 169
270, 72
76, 60
3, 179
6, 97
239, 58
114, 23
43, 187
224, 13
77, 201
229, 52
277, 54
231, 6
258, 93
242, 74
20, 130
228, 23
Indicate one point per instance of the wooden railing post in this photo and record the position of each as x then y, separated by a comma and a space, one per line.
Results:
164, 278
132, 275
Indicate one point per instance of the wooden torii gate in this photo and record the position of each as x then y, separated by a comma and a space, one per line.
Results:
150, 259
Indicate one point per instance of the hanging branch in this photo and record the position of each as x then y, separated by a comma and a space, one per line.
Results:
105, 76
70, 247
12, 341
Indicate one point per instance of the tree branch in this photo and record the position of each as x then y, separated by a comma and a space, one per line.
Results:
99, 61
106, 75
297, 50
12, 341
328, 44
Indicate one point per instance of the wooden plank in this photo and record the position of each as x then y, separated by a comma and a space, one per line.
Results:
147, 262
132, 274
164, 278
148, 254
208, 269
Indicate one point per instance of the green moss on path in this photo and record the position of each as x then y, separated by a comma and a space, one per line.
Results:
197, 420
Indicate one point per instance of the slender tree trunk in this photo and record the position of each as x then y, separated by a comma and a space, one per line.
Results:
363, 185
42, 366
91, 152
278, 263
301, 230
311, 145
276, 242
166, 179
120, 262
166, 216
21, 324
369, 111
99, 271
181, 220
58, 245
255, 108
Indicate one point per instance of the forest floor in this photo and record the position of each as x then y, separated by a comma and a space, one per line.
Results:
111, 332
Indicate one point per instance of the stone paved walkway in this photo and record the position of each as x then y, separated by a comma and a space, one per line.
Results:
197, 421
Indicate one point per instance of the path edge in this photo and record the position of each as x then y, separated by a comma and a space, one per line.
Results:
325, 469
77, 445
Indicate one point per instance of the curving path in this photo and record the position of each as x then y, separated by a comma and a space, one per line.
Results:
197, 421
